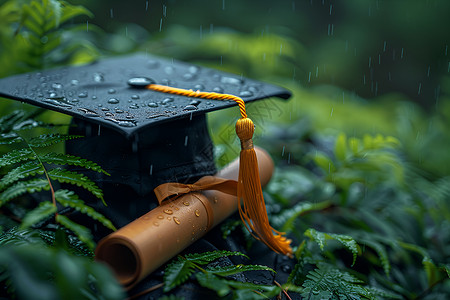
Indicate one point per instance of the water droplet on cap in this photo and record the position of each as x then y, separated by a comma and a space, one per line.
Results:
190, 107
134, 106
74, 82
156, 224
245, 94
194, 102
126, 123
113, 101
176, 220
118, 111
152, 64
105, 109
57, 85
140, 82
168, 211
99, 77
167, 100
218, 89
231, 80
135, 97
197, 213
199, 87
152, 104
186, 203
160, 217
111, 91
169, 70
82, 95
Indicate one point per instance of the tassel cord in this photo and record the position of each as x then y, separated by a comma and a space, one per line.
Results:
252, 208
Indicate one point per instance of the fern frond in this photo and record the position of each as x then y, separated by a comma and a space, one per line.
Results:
30, 168
234, 269
243, 290
9, 138
16, 237
66, 159
321, 239
324, 282
16, 155
207, 257
286, 219
177, 272
80, 231
65, 176
381, 252
42, 212
45, 140
69, 199
22, 187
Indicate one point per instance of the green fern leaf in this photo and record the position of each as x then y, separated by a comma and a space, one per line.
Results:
80, 231
231, 270
22, 187
16, 156
243, 290
289, 216
324, 282
9, 138
321, 239
377, 293
207, 257
16, 237
66, 159
71, 11
43, 211
30, 168
177, 272
65, 176
381, 252
45, 140
70, 199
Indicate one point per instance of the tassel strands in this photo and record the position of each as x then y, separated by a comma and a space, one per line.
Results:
252, 208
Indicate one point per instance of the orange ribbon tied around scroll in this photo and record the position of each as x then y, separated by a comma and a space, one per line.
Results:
173, 190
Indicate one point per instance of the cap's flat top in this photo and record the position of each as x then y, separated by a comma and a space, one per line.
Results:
99, 92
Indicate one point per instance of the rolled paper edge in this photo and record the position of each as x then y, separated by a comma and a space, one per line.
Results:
139, 248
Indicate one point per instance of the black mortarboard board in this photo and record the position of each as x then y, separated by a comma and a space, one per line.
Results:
141, 137
99, 92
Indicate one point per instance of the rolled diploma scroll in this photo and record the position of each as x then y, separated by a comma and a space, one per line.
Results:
139, 248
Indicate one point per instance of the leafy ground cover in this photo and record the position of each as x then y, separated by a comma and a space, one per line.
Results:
361, 186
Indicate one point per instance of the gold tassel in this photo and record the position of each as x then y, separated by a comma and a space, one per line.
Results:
252, 209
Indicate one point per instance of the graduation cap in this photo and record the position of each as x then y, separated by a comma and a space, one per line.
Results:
143, 118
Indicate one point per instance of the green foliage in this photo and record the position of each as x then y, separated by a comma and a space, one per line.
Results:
38, 34
29, 162
38, 272
215, 277
321, 239
329, 283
